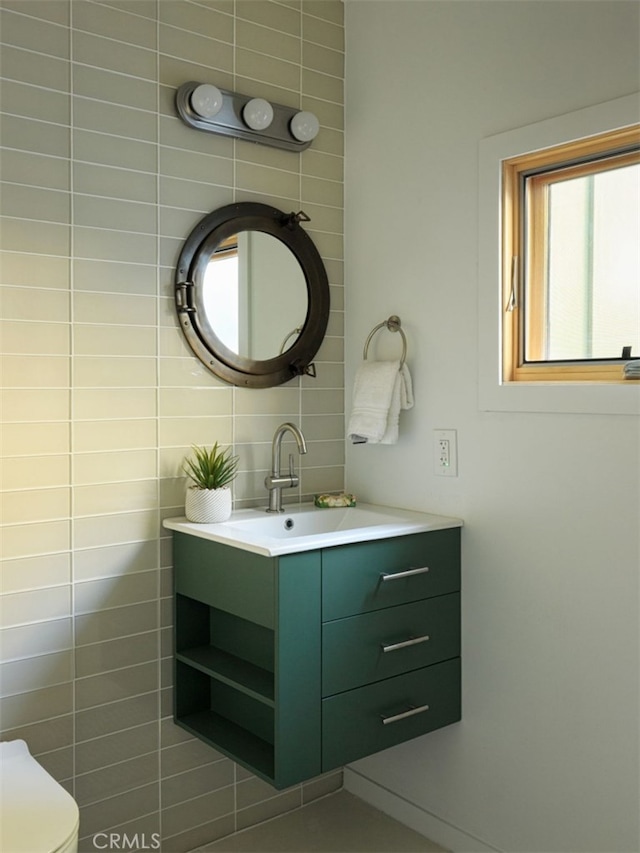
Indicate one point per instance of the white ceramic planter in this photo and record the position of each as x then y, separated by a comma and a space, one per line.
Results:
207, 505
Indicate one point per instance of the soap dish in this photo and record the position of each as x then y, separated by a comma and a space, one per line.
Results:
330, 501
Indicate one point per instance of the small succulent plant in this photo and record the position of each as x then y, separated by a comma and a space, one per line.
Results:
211, 468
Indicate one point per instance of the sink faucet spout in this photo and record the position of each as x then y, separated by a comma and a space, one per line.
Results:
275, 482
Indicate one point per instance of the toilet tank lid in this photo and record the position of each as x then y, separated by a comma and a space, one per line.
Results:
36, 812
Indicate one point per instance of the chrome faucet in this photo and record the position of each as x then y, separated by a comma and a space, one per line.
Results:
275, 481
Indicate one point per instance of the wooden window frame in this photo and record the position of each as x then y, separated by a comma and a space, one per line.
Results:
575, 158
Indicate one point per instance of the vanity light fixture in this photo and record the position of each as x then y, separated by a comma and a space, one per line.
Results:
206, 107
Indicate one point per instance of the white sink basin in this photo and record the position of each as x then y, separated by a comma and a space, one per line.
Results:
305, 527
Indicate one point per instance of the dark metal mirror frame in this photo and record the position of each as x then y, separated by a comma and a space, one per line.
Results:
198, 248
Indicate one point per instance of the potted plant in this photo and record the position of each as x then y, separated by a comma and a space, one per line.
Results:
212, 470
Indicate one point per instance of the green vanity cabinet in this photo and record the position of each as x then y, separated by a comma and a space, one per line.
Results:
297, 664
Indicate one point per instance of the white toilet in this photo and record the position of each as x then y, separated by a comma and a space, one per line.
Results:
37, 815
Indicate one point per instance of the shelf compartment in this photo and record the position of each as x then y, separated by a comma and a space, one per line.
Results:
232, 740
240, 674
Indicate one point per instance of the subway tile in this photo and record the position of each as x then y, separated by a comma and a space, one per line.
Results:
49, 238
323, 59
116, 654
20, 439
192, 839
186, 372
196, 782
115, 308
114, 119
22, 270
21, 99
111, 55
268, 41
123, 808
183, 816
263, 155
55, 11
330, 246
110, 87
20, 303
91, 340
119, 684
101, 372
331, 117
197, 19
174, 133
319, 191
175, 222
318, 164
115, 497
201, 49
324, 86
329, 375
112, 245
107, 150
30, 641
132, 216
36, 673
253, 790
111, 182
110, 781
175, 71
115, 560
32, 573
264, 180
117, 591
33, 505
58, 763
99, 531
28, 708
273, 15
127, 714
40, 137
49, 603
116, 622
33, 34
23, 337
108, 749
113, 467
29, 540
35, 405
114, 277
114, 23
324, 218
146, 828
323, 32
318, 480
105, 435
192, 430
323, 454
184, 755
48, 71
332, 349
268, 70
268, 401
194, 402
55, 733
195, 166
110, 403
30, 371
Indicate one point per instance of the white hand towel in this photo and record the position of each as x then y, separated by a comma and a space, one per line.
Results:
381, 390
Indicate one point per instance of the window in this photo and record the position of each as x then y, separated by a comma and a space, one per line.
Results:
571, 260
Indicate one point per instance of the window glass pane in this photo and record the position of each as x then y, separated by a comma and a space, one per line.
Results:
592, 298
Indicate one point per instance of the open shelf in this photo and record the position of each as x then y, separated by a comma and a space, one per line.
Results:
252, 680
232, 739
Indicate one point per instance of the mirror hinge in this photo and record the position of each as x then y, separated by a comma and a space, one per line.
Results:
184, 297
292, 219
299, 369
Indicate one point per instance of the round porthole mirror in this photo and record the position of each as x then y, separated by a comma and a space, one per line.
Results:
252, 295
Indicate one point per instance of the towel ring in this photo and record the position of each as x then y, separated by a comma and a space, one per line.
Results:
393, 324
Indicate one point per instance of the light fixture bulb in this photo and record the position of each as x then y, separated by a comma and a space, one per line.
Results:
257, 114
304, 126
206, 100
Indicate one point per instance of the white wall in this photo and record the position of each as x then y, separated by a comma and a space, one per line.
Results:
546, 756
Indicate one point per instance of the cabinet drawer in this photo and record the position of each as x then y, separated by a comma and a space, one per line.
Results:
353, 723
352, 575
353, 649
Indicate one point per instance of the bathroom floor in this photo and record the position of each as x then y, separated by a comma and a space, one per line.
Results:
338, 823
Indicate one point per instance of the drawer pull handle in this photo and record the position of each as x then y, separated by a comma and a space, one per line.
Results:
411, 712
412, 641
409, 573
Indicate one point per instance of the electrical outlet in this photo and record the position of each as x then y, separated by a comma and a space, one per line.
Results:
445, 452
